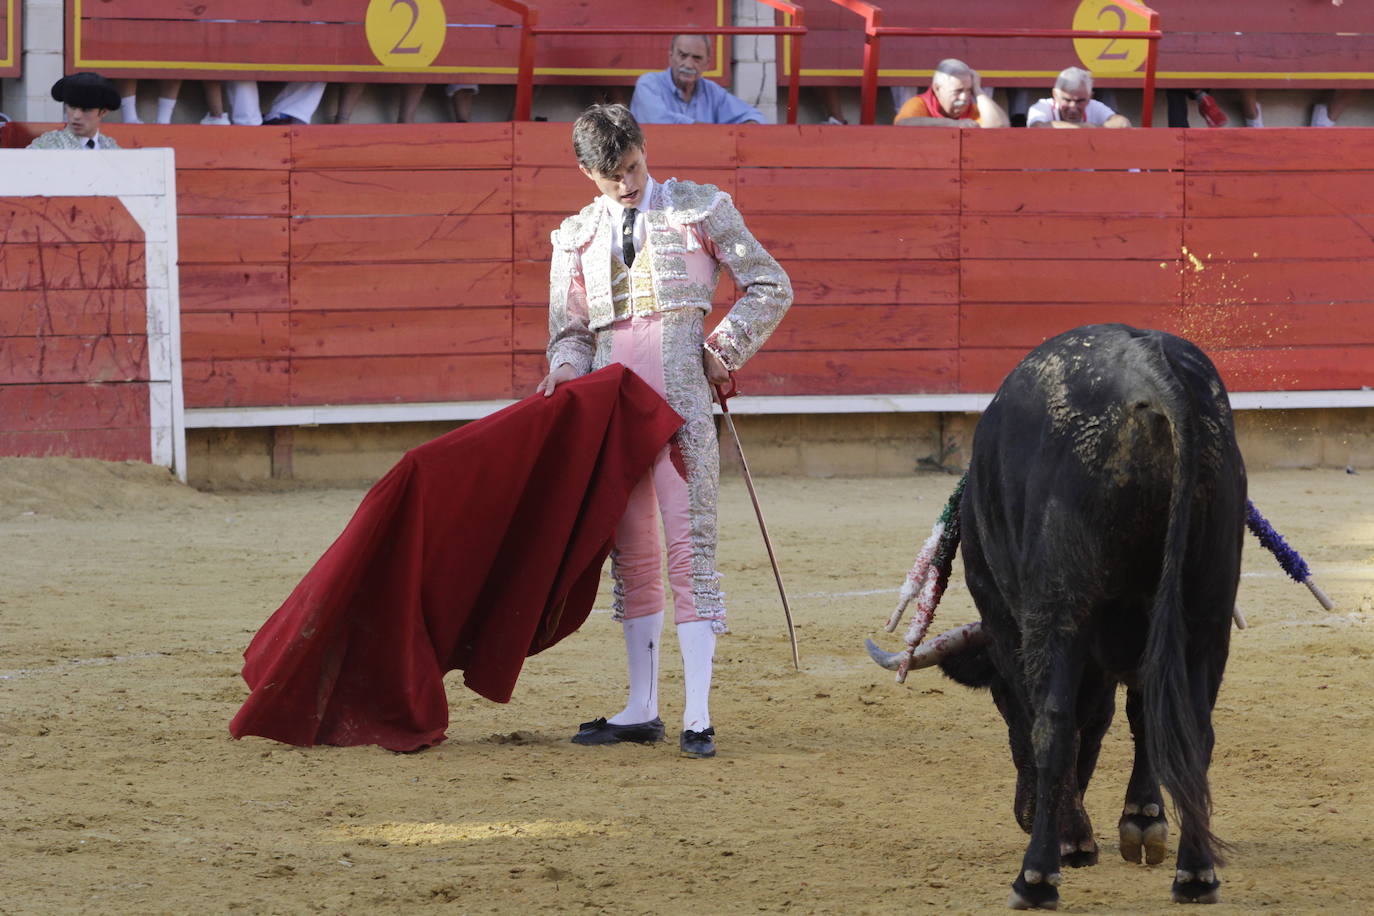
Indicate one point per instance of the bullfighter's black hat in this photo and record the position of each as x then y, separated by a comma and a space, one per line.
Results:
86, 90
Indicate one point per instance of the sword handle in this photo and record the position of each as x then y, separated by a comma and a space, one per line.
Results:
724, 392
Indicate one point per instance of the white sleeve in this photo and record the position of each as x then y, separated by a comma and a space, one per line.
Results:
1040, 113
1098, 112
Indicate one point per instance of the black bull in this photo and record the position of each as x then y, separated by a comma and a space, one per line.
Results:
1102, 527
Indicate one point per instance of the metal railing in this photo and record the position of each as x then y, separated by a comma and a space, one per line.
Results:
875, 31
530, 30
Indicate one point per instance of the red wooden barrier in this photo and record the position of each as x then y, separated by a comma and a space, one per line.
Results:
1274, 43
73, 330
374, 264
443, 41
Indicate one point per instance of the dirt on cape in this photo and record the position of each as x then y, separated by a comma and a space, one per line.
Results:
126, 601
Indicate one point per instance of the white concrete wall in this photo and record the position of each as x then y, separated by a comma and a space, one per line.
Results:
30, 97
755, 61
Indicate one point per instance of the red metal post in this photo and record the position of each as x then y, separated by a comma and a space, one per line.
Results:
794, 71
868, 98
1147, 102
524, 73
524, 86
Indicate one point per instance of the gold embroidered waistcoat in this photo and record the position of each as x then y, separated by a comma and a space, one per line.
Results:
632, 288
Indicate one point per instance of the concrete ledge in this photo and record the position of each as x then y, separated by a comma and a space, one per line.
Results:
328, 448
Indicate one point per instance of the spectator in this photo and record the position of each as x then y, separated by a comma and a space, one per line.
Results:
832, 104
460, 97
1326, 114
214, 103
1250, 108
244, 107
86, 98
167, 93
1177, 100
955, 99
680, 95
1071, 105
294, 104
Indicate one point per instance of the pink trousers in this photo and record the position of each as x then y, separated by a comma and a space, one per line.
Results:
665, 350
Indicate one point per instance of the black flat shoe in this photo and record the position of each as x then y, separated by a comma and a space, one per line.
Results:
698, 744
599, 731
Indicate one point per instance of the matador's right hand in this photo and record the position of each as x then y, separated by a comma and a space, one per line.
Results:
564, 373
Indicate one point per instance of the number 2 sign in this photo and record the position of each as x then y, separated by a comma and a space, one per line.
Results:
405, 33
1110, 56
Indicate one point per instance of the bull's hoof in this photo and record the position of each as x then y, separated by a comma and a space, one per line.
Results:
1079, 855
1142, 833
1196, 887
1033, 891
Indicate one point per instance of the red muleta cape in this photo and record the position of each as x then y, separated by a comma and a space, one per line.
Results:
476, 550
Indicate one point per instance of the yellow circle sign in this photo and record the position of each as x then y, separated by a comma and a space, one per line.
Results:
405, 33
1110, 56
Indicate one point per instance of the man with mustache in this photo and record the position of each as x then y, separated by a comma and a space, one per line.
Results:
681, 95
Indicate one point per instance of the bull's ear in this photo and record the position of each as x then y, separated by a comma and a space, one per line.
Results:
973, 668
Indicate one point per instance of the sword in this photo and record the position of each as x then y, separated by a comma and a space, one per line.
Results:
723, 394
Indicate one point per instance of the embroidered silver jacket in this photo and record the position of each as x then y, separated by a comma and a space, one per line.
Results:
694, 230
63, 138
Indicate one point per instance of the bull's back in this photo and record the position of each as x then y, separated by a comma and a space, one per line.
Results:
1075, 459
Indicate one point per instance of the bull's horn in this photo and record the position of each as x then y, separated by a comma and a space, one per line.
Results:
951, 642
889, 660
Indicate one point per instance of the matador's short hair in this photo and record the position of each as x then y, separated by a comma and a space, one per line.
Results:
603, 136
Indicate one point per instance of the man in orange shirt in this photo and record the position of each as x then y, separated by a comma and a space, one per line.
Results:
955, 99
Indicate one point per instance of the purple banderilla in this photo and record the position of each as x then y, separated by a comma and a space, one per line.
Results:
1288, 557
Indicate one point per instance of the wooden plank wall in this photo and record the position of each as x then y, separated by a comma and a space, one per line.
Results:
1269, 43
11, 38
73, 330
409, 263
329, 39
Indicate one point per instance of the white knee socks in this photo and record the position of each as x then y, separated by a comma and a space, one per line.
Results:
698, 644
642, 636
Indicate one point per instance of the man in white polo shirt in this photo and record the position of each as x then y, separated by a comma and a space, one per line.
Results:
1071, 105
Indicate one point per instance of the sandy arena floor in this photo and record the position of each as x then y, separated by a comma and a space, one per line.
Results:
126, 601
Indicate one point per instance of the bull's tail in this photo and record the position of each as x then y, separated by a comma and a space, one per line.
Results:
1174, 736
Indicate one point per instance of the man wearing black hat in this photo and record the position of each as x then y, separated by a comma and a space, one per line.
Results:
86, 98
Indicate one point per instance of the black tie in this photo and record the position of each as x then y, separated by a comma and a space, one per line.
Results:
90, 144
627, 237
